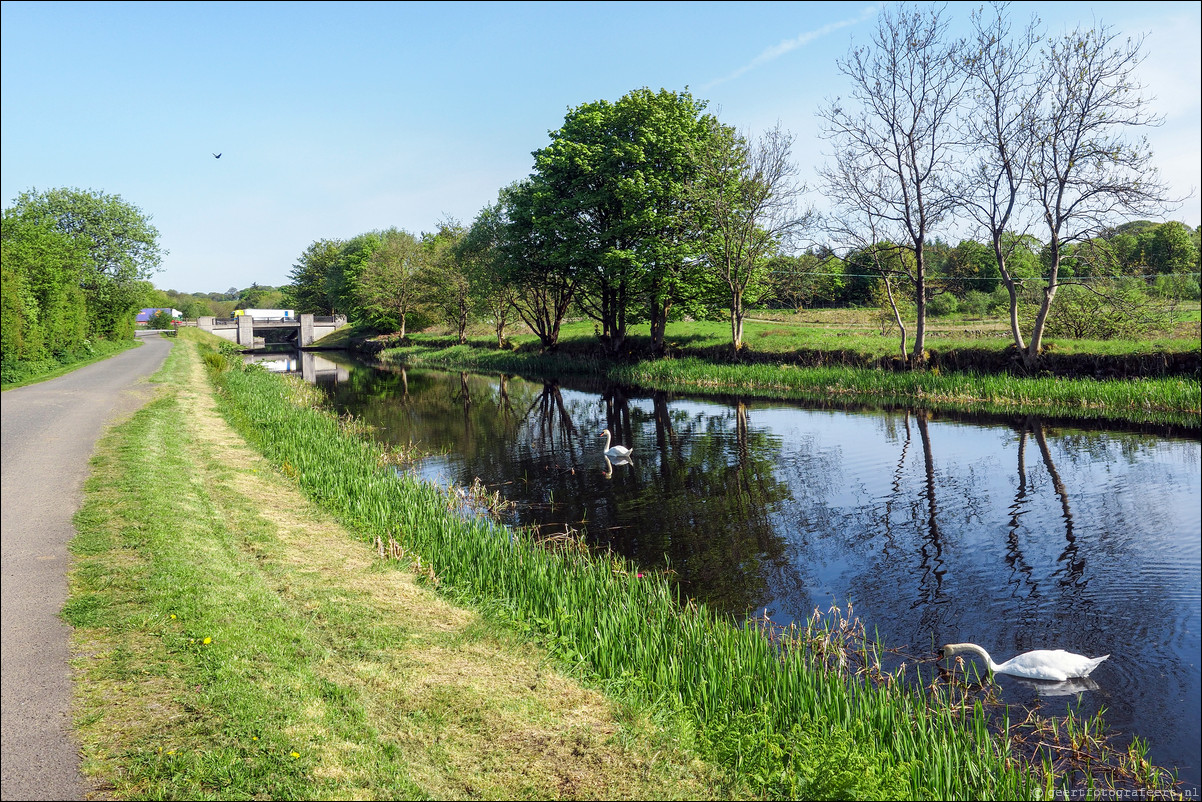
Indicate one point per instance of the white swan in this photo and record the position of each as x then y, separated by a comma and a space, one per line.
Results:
1056, 665
616, 451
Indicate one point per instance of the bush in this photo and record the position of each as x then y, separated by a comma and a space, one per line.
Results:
943, 304
976, 303
1115, 311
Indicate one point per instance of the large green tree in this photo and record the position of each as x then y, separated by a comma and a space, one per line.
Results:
608, 199
308, 291
388, 279
44, 310
120, 248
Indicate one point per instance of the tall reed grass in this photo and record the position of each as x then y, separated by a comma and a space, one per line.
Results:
780, 716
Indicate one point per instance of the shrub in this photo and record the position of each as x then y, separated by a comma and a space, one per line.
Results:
943, 304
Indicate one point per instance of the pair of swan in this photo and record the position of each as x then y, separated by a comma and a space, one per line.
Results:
620, 452
1055, 665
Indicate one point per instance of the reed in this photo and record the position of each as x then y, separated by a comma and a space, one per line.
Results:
776, 711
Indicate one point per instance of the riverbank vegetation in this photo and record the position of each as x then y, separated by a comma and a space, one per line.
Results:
280, 677
233, 640
849, 364
75, 265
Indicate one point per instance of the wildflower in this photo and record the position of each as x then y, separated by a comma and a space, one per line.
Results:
208, 640
296, 754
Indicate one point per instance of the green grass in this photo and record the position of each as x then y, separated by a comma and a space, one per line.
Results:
19, 374
781, 719
840, 377
234, 642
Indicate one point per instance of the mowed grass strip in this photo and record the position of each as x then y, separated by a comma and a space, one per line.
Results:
233, 641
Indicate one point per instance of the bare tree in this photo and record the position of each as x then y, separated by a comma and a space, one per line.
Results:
999, 131
1085, 175
745, 198
896, 143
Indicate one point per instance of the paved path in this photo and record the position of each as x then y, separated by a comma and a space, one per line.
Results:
49, 433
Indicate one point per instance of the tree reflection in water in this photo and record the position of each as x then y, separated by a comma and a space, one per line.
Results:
921, 520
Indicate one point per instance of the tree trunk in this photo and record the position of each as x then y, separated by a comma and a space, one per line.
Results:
919, 357
897, 318
1012, 287
1031, 357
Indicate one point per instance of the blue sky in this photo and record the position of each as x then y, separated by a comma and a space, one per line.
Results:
339, 118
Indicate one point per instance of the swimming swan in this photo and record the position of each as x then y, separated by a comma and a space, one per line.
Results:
1056, 665
616, 451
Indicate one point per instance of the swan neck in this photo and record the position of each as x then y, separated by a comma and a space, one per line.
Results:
975, 649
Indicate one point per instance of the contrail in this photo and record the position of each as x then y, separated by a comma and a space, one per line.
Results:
778, 50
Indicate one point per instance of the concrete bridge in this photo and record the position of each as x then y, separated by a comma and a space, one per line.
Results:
303, 330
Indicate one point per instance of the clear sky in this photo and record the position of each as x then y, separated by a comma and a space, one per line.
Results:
333, 119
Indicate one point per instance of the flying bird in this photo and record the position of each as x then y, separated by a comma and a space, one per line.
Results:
217, 155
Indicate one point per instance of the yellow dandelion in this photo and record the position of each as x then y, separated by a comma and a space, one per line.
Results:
296, 754
173, 616
208, 640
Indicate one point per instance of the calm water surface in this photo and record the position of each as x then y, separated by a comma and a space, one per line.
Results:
1014, 535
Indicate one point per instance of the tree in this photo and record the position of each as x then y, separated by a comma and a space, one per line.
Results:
895, 171
44, 308
1084, 172
388, 285
545, 283
308, 291
1000, 132
120, 248
608, 198
446, 283
1172, 249
745, 202
481, 251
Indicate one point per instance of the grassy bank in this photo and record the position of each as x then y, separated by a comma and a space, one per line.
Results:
238, 639
773, 373
234, 641
19, 374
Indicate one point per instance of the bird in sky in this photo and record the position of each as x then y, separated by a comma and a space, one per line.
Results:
216, 155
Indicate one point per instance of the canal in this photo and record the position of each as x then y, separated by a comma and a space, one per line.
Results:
1015, 534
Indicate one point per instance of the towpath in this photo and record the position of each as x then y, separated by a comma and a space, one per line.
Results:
49, 433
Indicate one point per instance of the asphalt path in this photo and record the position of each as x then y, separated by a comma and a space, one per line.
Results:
49, 433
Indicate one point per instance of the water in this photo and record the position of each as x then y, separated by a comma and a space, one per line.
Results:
1014, 535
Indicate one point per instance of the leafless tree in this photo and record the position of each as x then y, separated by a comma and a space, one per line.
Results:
896, 141
999, 131
746, 200
1085, 173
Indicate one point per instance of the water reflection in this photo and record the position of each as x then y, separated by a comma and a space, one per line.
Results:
1016, 535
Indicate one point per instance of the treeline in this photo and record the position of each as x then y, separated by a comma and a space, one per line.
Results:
75, 268
648, 209
217, 304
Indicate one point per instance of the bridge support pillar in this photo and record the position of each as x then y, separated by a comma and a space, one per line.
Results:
246, 331
306, 331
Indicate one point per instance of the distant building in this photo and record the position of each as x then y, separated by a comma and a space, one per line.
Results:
146, 314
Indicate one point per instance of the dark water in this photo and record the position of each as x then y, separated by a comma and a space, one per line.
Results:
1014, 535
